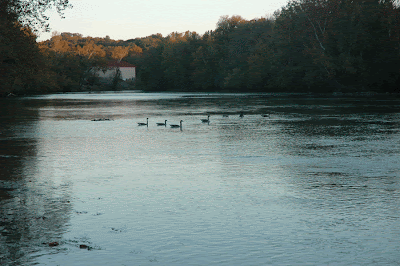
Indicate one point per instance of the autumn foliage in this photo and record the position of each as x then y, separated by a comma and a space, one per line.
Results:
307, 46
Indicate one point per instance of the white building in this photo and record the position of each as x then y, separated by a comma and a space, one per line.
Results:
128, 71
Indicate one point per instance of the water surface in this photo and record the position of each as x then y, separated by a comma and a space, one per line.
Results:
314, 183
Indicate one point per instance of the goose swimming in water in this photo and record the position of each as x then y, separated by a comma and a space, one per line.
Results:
176, 126
206, 120
162, 124
144, 124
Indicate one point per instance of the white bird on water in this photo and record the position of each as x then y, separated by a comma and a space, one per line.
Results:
206, 120
176, 126
162, 124
144, 124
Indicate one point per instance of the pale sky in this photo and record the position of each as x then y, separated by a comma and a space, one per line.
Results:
124, 19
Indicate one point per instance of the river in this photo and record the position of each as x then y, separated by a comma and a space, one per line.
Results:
298, 180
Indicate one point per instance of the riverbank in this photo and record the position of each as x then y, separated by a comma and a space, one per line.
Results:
126, 87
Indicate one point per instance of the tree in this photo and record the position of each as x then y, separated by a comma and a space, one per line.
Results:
135, 50
20, 60
347, 45
177, 58
205, 75
31, 13
21, 63
119, 52
227, 24
150, 74
116, 79
90, 50
71, 60
91, 57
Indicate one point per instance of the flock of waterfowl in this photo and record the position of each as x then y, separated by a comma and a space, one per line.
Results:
161, 124
205, 120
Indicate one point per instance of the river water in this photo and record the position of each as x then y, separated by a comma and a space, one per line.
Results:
316, 182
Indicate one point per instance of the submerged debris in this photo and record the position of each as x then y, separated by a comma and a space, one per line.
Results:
101, 119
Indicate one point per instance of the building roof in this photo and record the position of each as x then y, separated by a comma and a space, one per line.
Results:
119, 64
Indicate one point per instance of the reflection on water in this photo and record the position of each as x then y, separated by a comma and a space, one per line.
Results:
33, 210
314, 183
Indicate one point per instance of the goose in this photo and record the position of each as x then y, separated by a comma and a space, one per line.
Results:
176, 126
241, 115
144, 124
162, 124
206, 120
225, 115
265, 115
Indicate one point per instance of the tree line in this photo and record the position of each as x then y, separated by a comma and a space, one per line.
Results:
22, 65
306, 46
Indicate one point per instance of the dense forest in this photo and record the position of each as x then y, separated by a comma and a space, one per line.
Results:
307, 46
